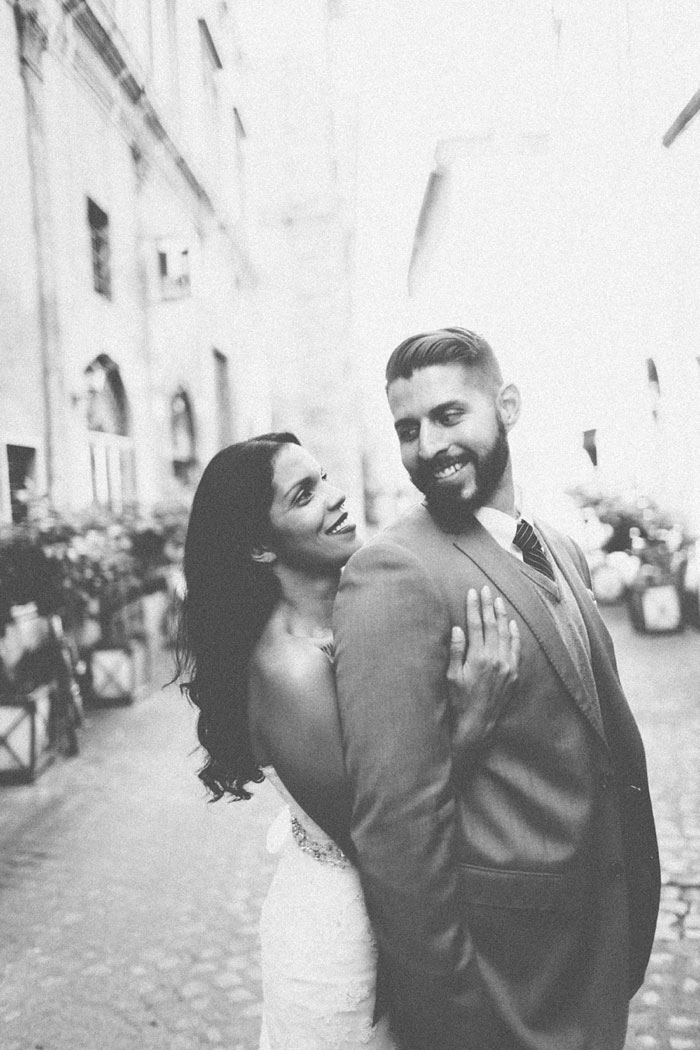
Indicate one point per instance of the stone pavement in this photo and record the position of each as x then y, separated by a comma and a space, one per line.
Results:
661, 675
129, 907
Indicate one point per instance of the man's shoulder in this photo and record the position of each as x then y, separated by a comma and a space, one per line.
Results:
414, 527
412, 534
554, 536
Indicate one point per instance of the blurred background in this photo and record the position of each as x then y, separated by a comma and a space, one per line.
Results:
220, 218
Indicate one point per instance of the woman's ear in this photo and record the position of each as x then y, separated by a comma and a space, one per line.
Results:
263, 555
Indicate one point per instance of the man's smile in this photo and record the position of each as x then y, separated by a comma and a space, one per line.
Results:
450, 469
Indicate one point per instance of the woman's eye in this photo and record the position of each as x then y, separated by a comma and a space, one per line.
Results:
303, 496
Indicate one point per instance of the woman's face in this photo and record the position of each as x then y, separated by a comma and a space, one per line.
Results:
311, 530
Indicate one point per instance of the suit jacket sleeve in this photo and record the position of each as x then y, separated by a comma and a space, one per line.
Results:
392, 636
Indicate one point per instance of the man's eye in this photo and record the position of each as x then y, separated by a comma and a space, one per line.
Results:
406, 434
451, 417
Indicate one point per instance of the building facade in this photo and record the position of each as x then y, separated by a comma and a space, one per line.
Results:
301, 187
127, 293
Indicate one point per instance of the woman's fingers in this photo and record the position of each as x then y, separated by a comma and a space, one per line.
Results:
474, 624
488, 616
514, 647
502, 629
494, 640
457, 646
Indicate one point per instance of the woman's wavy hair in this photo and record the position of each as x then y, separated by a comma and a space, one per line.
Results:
229, 598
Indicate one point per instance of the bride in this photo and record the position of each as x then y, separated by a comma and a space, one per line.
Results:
267, 539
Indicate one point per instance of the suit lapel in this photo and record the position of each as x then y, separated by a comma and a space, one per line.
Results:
599, 648
602, 653
509, 580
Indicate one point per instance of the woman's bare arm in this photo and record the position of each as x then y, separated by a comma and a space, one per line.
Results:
293, 702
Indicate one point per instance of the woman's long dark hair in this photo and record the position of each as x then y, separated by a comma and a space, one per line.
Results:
229, 599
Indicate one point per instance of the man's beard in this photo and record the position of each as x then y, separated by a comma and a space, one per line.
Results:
448, 505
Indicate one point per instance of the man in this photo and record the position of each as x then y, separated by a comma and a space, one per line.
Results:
514, 898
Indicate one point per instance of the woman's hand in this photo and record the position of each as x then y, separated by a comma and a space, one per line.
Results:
479, 682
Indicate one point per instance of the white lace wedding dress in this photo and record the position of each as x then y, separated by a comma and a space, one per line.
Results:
318, 953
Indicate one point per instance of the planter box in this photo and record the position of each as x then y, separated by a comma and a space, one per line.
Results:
656, 609
112, 678
24, 734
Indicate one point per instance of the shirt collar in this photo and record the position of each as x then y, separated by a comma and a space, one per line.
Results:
501, 526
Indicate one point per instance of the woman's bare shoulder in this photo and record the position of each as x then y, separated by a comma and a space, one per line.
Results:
287, 664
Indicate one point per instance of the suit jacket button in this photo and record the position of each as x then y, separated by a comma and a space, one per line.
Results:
616, 870
605, 781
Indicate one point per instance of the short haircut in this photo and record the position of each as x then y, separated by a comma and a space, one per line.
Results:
446, 346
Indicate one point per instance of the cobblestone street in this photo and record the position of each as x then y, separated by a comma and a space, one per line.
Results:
129, 907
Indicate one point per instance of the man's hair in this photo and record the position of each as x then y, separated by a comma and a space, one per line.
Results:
446, 346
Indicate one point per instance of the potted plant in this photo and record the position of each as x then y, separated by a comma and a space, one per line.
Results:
30, 592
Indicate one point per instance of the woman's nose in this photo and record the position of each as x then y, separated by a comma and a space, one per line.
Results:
336, 497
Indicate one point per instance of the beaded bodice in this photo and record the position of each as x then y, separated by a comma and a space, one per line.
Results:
309, 837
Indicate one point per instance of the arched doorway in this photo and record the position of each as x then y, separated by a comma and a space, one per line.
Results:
109, 435
182, 433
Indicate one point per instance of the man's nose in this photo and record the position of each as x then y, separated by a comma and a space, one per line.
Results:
431, 440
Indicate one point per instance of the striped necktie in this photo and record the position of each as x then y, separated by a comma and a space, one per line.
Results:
533, 552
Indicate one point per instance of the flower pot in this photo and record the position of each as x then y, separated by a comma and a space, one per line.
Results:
26, 632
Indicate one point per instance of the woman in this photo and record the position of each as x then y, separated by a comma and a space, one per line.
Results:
268, 537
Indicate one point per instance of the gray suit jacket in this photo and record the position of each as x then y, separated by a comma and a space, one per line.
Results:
514, 898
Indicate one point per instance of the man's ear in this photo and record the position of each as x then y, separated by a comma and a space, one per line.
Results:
508, 404
263, 555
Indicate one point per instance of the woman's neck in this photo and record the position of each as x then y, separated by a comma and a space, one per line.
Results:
307, 603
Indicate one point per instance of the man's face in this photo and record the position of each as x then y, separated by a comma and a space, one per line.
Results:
453, 441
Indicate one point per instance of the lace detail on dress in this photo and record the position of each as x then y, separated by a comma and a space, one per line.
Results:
319, 956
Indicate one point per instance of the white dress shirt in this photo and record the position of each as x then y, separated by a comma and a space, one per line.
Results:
502, 527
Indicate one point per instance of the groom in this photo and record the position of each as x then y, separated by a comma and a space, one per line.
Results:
514, 901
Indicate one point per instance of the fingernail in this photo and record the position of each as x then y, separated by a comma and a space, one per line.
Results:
471, 593
486, 592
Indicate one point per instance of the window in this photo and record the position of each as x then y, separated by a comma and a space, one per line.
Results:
182, 433
108, 424
21, 467
98, 222
107, 403
223, 399
173, 271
